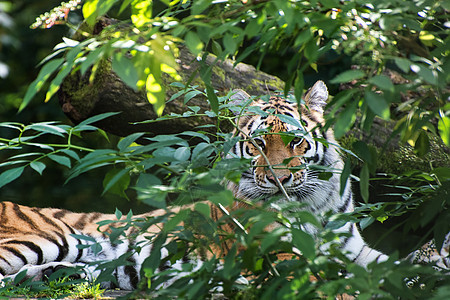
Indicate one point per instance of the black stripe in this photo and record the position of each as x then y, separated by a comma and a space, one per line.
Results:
347, 201
131, 272
23, 217
241, 146
346, 239
33, 247
4, 218
81, 222
80, 250
359, 253
63, 249
46, 219
376, 259
7, 262
17, 254
60, 214
94, 216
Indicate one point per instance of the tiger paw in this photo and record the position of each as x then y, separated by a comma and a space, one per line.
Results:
43, 272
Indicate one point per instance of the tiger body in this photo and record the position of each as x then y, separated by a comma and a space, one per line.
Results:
41, 238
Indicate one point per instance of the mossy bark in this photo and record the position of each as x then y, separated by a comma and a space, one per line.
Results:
81, 99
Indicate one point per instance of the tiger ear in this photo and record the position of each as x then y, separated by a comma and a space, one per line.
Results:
238, 98
316, 97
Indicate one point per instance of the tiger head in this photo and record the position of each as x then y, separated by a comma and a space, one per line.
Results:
276, 132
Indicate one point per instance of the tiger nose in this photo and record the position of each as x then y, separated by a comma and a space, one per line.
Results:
283, 179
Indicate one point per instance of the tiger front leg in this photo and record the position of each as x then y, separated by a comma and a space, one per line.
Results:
44, 271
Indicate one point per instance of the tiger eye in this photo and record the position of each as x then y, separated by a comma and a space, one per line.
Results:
296, 140
260, 143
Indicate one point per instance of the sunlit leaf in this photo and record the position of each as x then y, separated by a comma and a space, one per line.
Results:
155, 93
444, 129
37, 84
194, 43
141, 12
127, 141
123, 67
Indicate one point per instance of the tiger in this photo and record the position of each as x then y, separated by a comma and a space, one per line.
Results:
42, 240
302, 185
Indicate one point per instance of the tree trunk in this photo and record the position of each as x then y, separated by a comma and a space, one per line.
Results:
108, 93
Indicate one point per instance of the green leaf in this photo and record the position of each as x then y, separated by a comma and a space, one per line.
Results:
378, 104
37, 166
190, 95
403, 63
176, 220
345, 175
444, 128
116, 181
91, 58
118, 214
425, 73
422, 144
348, 76
345, 120
95, 118
182, 153
194, 43
10, 175
124, 143
71, 153
37, 84
383, 82
364, 182
155, 93
124, 67
90, 11
289, 120
304, 242
298, 86
212, 98
252, 28
230, 43
62, 160
95, 8
203, 208
199, 6
303, 37
47, 128
57, 81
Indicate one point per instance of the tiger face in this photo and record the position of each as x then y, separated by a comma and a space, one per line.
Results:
283, 142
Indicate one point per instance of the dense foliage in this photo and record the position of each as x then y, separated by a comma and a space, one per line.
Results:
398, 71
